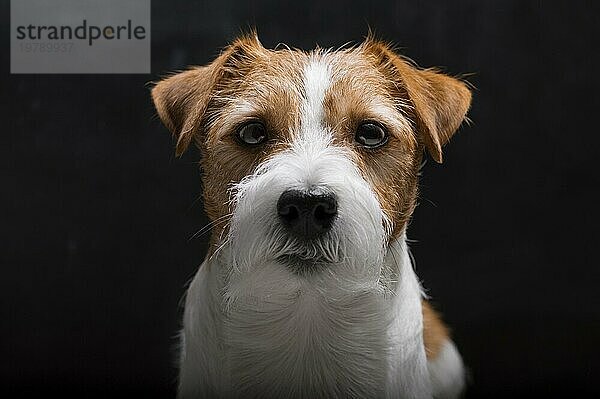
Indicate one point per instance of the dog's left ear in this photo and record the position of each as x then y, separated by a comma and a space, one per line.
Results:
181, 100
440, 102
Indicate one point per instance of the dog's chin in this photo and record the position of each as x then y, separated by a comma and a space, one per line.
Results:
302, 265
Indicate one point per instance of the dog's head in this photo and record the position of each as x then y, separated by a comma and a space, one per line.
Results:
310, 158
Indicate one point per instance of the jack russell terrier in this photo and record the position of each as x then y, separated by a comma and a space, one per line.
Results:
310, 165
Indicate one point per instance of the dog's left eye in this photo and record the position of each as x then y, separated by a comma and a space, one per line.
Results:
371, 135
252, 133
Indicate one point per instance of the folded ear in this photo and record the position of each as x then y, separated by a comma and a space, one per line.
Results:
181, 100
440, 102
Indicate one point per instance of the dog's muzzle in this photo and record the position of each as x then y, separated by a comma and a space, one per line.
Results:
306, 216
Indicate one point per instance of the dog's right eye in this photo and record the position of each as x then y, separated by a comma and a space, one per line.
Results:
252, 133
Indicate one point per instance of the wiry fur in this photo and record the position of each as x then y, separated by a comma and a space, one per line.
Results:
269, 315
275, 333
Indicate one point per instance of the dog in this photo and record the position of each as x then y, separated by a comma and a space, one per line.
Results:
310, 164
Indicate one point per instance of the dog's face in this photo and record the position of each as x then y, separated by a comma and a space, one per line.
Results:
310, 159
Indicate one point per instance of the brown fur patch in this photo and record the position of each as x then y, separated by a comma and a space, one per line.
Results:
207, 104
266, 90
361, 92
439, 102
435, 332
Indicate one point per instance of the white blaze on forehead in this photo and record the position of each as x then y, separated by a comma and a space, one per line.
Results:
311, 148
316, 80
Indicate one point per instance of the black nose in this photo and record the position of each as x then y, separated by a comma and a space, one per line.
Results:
306, 215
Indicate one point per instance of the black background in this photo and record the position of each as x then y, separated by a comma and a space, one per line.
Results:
97, 212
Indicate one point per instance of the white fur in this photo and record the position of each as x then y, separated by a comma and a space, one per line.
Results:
255, 328
447, 373
317, 79
287, 335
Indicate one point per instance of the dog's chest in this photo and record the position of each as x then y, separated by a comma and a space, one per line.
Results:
308, 345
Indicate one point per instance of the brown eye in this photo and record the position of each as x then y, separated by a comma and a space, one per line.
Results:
371, 135
252, 133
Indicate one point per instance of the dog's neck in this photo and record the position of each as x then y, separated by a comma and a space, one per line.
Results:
320, 336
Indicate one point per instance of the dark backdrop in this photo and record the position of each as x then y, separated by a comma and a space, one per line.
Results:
98, 214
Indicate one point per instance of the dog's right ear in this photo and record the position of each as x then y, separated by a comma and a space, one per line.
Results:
439, 102
182, 99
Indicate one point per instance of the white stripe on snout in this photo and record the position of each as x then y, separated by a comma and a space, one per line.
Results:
316, 80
